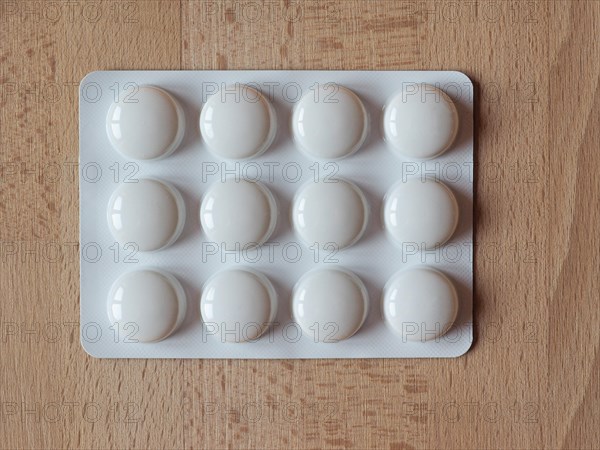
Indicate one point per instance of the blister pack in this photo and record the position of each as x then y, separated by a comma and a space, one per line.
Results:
276, 214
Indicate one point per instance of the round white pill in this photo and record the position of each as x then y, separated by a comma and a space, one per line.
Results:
420, 212
329, 304
420, 304
149, 214
239, 303
329, 122
238, 213
237, 122
148, 305
420, 122
330, 213
145, 124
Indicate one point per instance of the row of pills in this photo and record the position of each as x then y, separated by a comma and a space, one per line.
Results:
240, 304
240, 214
238, 122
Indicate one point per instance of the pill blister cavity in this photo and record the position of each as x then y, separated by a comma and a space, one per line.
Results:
330, 305
420, 122
419, 304
238, 214
422, 213
237, 122
238, 305
145, 124
146, 305
329, 122
332, 213
149, 213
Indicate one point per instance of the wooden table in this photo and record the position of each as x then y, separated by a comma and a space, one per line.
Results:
531, 379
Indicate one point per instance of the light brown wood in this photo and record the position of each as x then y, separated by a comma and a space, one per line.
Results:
532, 378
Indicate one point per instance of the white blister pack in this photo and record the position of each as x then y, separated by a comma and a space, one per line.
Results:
276, 214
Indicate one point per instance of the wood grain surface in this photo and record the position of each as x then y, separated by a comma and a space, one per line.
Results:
531, 379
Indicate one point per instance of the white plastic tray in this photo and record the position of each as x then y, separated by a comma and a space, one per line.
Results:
374, 168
